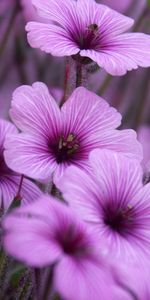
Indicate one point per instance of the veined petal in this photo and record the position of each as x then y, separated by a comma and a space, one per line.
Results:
9, 185
122, 53
119, 177
60, 11
142, 202
82, 280
30, 156
60, 169
51, 39
81, 190
85, 114
71, 15
6, 128
109, 21
35, 111
124, 141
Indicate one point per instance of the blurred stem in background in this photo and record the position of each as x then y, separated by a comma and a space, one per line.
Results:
9, 28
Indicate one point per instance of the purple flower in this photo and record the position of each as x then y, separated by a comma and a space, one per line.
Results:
55, 138
48, 232
87, 29
9, 180
112, 200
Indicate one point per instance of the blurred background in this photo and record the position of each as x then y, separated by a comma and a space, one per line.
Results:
20, 64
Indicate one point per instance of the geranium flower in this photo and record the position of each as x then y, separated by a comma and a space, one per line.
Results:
9, 180
85, 28
54, 138
113, 200
47, 232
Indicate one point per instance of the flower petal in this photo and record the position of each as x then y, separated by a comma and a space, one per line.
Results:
35, 110
119, 178
5, 129
109, 21
51, 39
82, 280
124, 141
58, 11
30, 243
85, 114
29, 155
81, 191
123, 53
9, 186
31, 231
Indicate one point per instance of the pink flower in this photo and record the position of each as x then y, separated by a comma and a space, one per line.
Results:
113, 201
54, 138
91, 30
9, 180
47, 232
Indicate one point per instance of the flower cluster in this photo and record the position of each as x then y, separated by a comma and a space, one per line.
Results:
82, 225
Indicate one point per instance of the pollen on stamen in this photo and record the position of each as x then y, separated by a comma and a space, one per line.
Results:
93, 27
66, 148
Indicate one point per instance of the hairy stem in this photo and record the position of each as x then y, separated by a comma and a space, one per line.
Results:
66, 81
79, 74
18, 196
36, 283
48, 283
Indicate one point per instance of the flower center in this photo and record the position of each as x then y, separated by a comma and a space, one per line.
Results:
66, 148
93, 28
72, 242
120, 220
90, 38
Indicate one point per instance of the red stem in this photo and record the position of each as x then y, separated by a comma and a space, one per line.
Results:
18, 196
67, 74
